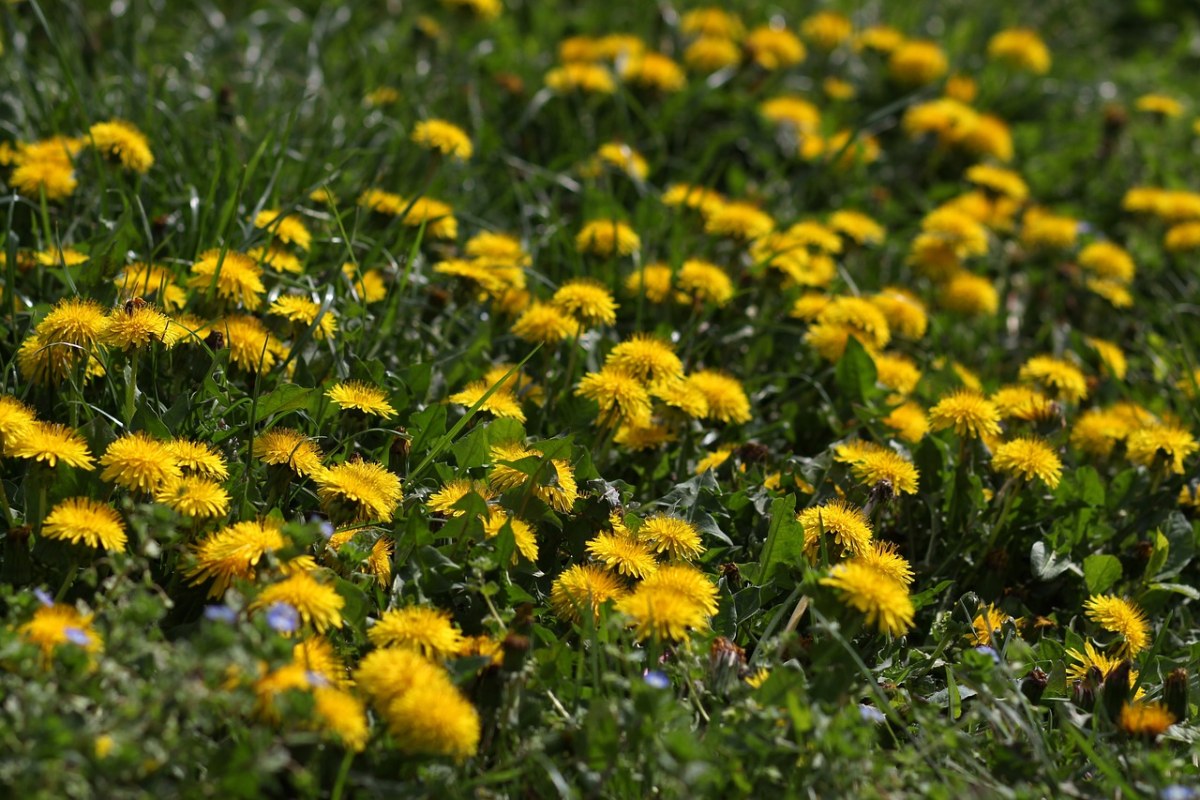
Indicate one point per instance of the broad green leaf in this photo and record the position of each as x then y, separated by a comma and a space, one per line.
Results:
1100, 572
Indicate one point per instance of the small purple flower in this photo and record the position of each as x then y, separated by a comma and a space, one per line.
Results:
43, 597
656, 679
987, 651
1177, 792
316, 679
76, 636
871, 714
220, 613
283, 618
324, 526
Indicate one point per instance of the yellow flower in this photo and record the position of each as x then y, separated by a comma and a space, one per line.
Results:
85, 521
361, 397
1160, 104
1024, 403
607, 237
687, 581
76, 321
1147, 720
343, 714
882, 600
501, 403
50, 443
826, 29
304, 311
1020, 48
359, 491
236, 276
582, 77
969, 294
623, 554
122, 142
523, 535
968, 412
443, 137
647, 438
438, 218
845, 526
989, 621
713, 460
1062, 377
287, 228
194, 496
148, 280
654, 71
138, 326
381, 96
290, 447
1110, 355
58, 624
1029, 457
433, 719
662, 612
738, 220
691, 196
896, 372
1183, 238
233, 553
917, 62
883, 558
544, 323
16, 419
724, 394
703, 282
318, 604
619, 156
676, 537
391, 672
774, 48
139, 463
647, 358
1161, 445
251, 346
711, 53
55, 178
712, 21
587, 300
873, 464
858, 228
581, 588
444, 500
1043, 230
1121, 616
620, 396
881, 38
428, 630
999, 180
909, 421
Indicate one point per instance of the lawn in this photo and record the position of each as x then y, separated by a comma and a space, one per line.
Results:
494, 398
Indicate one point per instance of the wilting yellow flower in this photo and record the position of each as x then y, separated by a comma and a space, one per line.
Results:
85, 521
290, 447
428, 630
1021, 48
122, 142
1121, 616
361, 397
662, 612
139, 463
607, 237
1028, 457
917, 62
1161, 445
583, 588
444, 137
318, 604
882, 600
359, 491
968, 412
844, 525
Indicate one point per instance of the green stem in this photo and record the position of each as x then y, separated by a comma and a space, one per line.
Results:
131, 388
339, 783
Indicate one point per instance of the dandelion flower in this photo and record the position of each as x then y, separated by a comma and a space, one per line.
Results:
443, 137
685, 580
1029, 457
560, 491
676, 537
391, 672
236, 276
968, 412
304, 311
844, 525
647, 358
544, 323
16, 419
973, 295
444, 500
501, 403
51, 443
711, 53
909, 421
55, 178
318, 604
54, 625
87, 522
623, 554
428, 630
1145, 720
1089, 658
75, 321
774, 48
194, 496
359, 491
880, 464
233, 553
587, 300
523, 535
1020, 48
652, 281
198, 457
882, 557
1024, 403
988, 621
138, 327
607, 237
620, 396
703, 282
361, 397
1058, 375
738, 220
122, 142
1167, 445
713, 460
917, 62
139, 463
290, 447
655, 71
884, 602
1121, 616
435, 720
724, 395
582, 77
287, 228
1159, 104
581, 588
251, 345
662, 613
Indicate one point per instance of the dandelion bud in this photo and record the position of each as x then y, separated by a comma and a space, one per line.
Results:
1034, 684
1115, 688
1175, 693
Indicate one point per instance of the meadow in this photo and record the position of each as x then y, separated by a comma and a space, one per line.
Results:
494, 398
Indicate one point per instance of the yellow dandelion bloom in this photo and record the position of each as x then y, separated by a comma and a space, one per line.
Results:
428, 630
653, 281
623, 554
1161, 445
1060, 376
826, 29
523, 535
1121, 616
137, 462
621, 397
236, 276
433, 719
1029, 457
968, 412
289, 447
1159, 104
1020, 48
844, 526
76, 321
52, 177
874, 464
1024, 403
909, 421
502, 403
318, 604
586, 300
362, 397
884, 602
87, 522
16, 419
654, 71
972, 295
988, 622
1145, 720
581, 77
233, 553
444, 500
305, 312
443, 137
583, 588
647, 358
544, 323
50, 443
662, 613
648, 438
194, 496
359, 491
1111, 356
774, 48
738, 220
917, 62
58, 624
711, 53
896, 372
287, 228
251, 345
391, 672
703, 282
122, 142
687, 581
607, 237
883, 558
713, 460
137, 327
676, 537
724, 395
